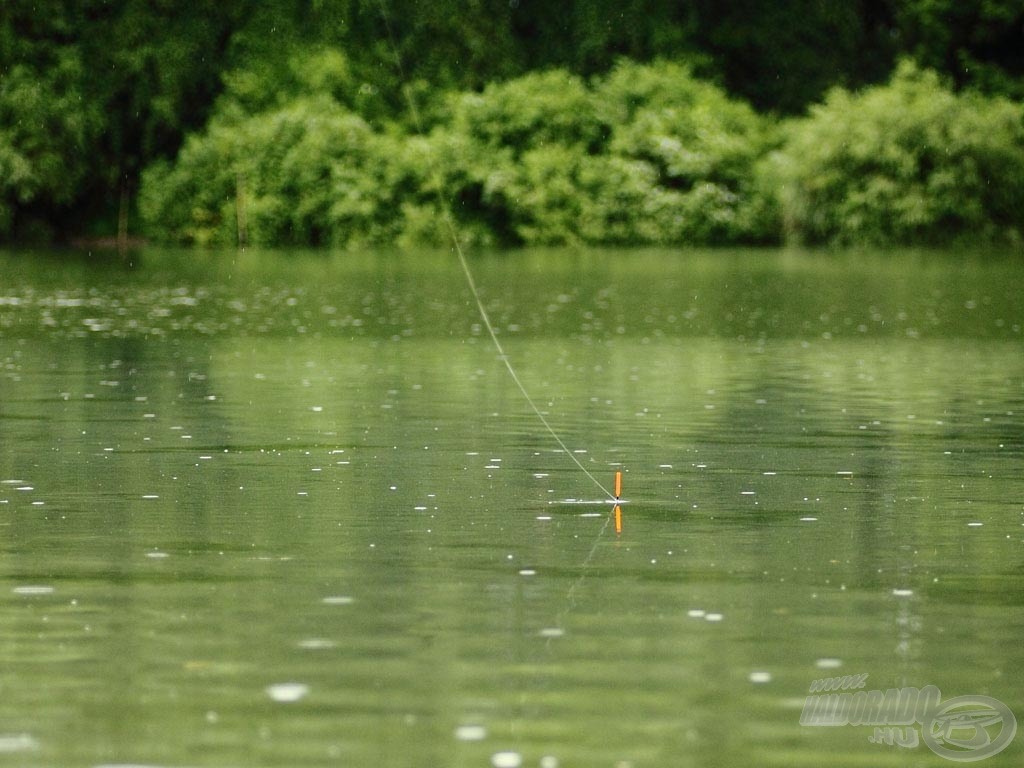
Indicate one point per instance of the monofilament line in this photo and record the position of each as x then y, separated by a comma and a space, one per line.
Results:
454, 235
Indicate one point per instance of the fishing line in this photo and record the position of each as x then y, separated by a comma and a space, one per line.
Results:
454, 235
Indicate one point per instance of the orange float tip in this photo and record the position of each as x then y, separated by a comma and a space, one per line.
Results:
618, 485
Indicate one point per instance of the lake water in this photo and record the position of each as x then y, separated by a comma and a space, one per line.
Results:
289, 509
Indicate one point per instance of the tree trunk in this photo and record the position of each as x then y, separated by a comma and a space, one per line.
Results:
243, 232
122, 219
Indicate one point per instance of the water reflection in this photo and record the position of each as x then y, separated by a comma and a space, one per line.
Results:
273, 511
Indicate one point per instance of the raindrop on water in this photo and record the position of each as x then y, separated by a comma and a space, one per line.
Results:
470, 733
506, 760
287, 692
33, 589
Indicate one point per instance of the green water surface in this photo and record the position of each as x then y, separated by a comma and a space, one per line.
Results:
221, 474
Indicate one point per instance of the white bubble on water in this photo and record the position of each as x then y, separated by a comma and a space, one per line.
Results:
317, 644
828, 663
33, 589
506, 760
337, 600
713, 617
287, 692
17, 742
470, 733
552, 632
760, 677
902, 592
695, 613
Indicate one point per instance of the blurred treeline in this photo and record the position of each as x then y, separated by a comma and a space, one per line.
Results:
635, 121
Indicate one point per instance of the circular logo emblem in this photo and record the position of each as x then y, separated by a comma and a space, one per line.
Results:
969, 728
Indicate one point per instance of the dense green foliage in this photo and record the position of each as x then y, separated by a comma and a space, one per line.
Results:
649, 154
92, 92
909, 162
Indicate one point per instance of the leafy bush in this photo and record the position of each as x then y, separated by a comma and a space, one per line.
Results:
44, 122
648, 154
294, 171
907, 162
529, 112
703, 145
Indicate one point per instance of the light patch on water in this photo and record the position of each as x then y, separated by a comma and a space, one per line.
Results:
695, 613
903, 592
828, 663
287, 692
552, 632
33, 589
527, 572
470, 733
543, 517
713, 617
760, 677
157, 555
151, 496
317, 644
337, 600
808, 519
591, 514
975, 524
506, 760
549, 761
17, 742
